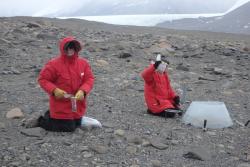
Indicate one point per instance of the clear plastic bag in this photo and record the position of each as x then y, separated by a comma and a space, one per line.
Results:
73, 101
89, 123
73, 104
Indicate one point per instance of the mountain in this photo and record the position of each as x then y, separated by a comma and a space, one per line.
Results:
236, 21
70, 8
131, 7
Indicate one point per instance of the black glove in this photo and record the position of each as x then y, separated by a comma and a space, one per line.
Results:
177, 100
157, 63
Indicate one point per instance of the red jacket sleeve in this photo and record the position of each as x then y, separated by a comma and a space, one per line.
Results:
147, 74
88, 80
47, 77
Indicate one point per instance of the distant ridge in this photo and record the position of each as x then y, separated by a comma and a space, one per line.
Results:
236, 21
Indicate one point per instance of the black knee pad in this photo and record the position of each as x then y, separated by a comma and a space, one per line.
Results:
169, 114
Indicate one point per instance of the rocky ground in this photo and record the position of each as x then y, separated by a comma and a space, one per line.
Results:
213, 66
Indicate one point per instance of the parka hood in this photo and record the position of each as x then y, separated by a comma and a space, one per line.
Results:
66, 40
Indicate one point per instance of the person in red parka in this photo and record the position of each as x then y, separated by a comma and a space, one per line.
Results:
68, 80
160, 97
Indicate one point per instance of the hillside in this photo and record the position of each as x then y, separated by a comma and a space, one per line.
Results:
236, 21
213, 66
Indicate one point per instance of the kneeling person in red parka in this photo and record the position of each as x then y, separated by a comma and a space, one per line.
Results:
65, 77
160, 98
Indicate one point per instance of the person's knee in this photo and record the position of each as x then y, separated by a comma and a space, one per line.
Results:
164, 113
170, 114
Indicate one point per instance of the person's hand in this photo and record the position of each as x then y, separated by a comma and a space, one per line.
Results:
162, 67
157, 63
59, 93
177, 100
79, 95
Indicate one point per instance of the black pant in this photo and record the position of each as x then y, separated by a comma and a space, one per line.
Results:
162, 114
58, 125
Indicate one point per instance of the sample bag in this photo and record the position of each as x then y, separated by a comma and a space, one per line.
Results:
88, 122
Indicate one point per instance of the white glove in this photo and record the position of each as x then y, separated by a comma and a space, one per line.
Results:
162, 67
158, 57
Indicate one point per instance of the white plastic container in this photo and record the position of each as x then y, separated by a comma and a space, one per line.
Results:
214, 113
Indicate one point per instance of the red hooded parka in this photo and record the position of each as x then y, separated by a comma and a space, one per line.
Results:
157, 90
69, 74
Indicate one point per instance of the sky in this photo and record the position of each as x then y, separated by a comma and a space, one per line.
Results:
55, 8
37, 7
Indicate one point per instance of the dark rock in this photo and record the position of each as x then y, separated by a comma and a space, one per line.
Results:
229, 52
46, 36
198, 153
206, 79
182, 67
67, 142
246, 49
104, 48
32, 132
33, 25
124, 55
25, 157
3, 53
31, 122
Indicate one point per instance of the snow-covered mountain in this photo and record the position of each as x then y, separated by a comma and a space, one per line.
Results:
132, 7
66, 8
235, 20
237, 5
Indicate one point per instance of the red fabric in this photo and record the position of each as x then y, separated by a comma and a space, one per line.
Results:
69, 74
157, 90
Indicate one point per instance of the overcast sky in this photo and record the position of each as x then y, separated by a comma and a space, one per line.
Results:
64, 7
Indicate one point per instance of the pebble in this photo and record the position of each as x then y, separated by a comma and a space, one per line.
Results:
211, 133
244, 165
131, 149
100, 149
15, 113
87, 155
2, 125
156, 163
157, 143
119, 132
